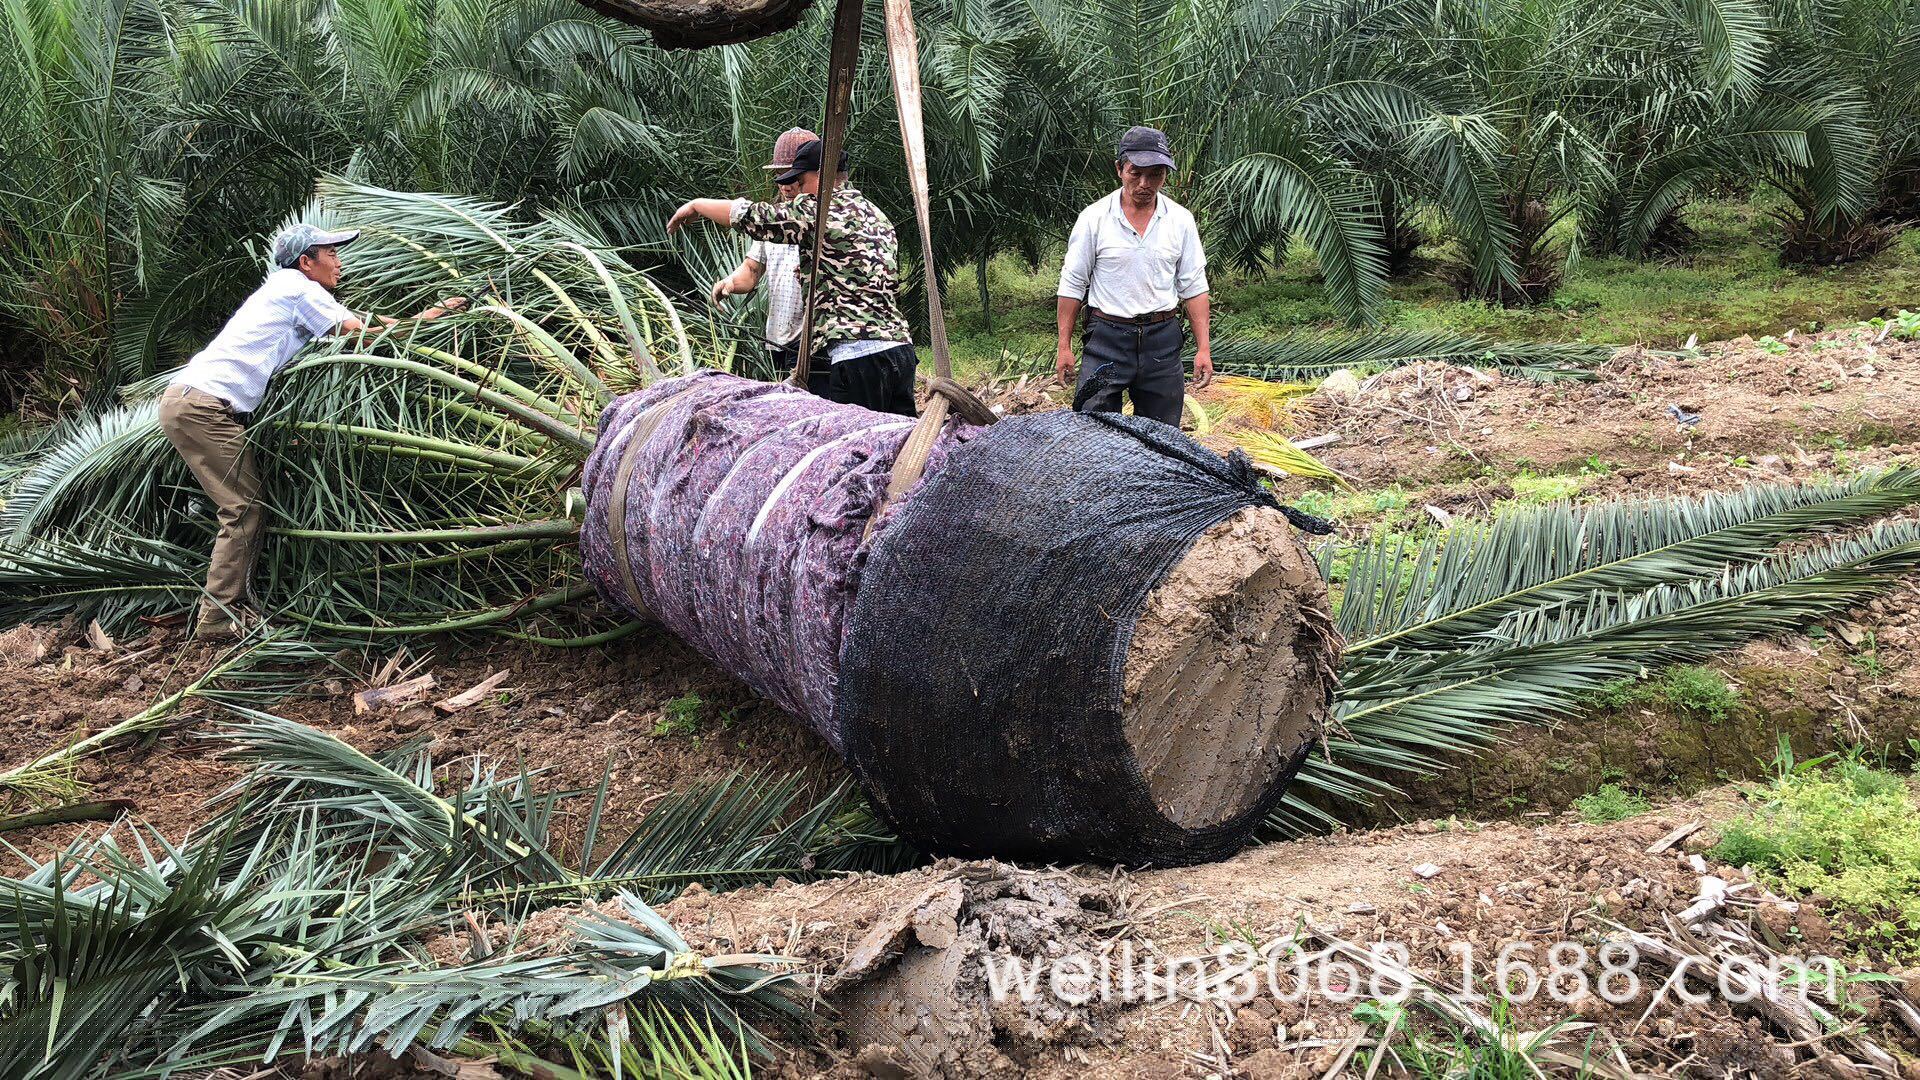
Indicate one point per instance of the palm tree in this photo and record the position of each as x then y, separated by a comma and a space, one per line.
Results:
83, 209
1864, 149
1562, 84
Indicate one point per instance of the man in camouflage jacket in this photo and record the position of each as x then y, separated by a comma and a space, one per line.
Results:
860, 337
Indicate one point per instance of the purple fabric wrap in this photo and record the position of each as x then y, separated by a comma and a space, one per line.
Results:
744, 519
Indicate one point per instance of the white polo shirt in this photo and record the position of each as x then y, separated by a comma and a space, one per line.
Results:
288, 310
1125, 273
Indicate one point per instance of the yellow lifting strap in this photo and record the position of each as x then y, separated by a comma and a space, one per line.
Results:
903, 59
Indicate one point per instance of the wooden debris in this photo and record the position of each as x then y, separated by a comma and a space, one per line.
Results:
1713, 897
98, 637
101, 810
1318, 441
387, 696
1674, 837
1714, 961
472, 695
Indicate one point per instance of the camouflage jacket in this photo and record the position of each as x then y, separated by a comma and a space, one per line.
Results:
859, 269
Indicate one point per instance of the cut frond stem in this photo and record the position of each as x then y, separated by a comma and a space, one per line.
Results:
444, 448
584, 641
532, 417
526, 530
475, 621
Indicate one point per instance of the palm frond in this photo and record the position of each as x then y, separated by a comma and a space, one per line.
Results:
1439, 591
1275, 452
1312, 355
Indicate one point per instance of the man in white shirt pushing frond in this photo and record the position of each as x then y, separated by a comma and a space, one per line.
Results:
206, 406
1134, 260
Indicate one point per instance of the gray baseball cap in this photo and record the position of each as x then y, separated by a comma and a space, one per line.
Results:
293, 241
1145, 147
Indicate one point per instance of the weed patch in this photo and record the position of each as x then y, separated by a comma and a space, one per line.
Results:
1693, 692
1847, 832
1610, 802
681, 716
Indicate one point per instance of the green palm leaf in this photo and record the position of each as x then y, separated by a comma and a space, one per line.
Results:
1460, 582
1308, 355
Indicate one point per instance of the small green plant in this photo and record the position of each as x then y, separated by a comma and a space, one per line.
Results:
1904, 325
1844, 830
681, 716
1772, 345
1505, 1051
1867, 657
1532, 489
1698, 693
1694, 692
1609, 803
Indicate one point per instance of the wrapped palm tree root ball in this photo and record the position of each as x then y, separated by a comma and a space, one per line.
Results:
1077, 637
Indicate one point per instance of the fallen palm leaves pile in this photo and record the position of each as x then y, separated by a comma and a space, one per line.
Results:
298, 920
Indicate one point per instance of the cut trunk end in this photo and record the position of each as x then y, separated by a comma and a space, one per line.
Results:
1215, 674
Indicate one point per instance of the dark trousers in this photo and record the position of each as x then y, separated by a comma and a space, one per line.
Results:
881, 381
1142, 361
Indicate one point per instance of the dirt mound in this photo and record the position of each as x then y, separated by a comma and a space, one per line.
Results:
1743, 399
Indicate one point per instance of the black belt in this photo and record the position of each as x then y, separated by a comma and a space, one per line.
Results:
1134, 320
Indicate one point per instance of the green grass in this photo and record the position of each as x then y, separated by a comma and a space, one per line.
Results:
1842, 830
1694, 693
681, 716
1505, 1052
1610, 802
1730, 284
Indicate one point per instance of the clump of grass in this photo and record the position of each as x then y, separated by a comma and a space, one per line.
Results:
1847, 832
681, 716
1691, 691
1505, 1051
1532, 489
1609, 803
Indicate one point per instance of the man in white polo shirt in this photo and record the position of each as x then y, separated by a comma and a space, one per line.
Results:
1134, 259
205, 408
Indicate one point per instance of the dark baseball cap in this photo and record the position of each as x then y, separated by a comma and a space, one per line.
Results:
806, 160
1145, 147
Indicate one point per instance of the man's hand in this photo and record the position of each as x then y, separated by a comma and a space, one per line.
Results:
1202, 369
680, 217
721, 290
1064, 363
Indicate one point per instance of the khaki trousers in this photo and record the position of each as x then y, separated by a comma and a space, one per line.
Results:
214, 445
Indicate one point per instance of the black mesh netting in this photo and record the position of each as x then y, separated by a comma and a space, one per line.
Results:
983, 659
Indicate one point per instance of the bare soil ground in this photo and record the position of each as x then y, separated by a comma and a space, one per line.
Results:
567, 713
901, 958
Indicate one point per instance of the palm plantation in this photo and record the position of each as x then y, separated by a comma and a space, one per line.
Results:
424, 484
